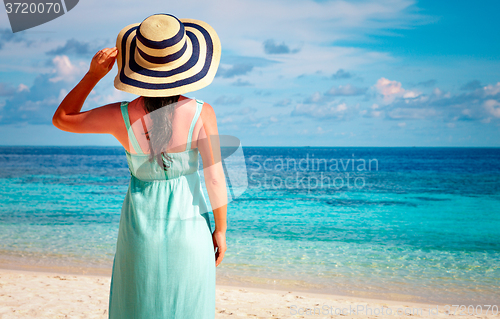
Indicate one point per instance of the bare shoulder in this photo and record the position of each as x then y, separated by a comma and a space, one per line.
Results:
208, 117
207, 113
111, 111
209, 120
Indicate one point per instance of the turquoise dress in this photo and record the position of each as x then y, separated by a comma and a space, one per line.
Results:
164, 266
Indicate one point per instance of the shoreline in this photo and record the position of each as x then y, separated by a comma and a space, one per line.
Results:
4, 271
235, 281
28, 294
252, 283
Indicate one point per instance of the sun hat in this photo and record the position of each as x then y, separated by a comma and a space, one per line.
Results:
165, 56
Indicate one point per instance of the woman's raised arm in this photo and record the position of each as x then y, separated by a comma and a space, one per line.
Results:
68, 116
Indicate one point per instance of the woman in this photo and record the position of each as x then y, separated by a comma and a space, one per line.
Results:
164, 263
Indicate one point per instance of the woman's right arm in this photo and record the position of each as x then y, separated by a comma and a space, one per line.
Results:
215, 181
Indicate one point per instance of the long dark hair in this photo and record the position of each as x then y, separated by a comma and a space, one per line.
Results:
160, 133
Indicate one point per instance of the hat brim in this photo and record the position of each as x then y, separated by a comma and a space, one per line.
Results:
196, 72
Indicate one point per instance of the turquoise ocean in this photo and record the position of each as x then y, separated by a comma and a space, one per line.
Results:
420, 224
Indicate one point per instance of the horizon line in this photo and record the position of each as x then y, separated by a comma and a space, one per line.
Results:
280, 146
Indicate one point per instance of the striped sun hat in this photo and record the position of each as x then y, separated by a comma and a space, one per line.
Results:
165, 56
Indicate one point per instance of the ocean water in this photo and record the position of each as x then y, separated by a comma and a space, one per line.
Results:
417, 224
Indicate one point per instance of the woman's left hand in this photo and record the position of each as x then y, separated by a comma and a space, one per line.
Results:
102, 62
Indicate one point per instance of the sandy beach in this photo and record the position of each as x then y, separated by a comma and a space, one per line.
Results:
30, 294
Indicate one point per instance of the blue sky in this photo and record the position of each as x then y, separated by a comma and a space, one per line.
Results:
292, 73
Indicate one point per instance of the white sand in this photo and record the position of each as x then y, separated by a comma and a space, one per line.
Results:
27, 294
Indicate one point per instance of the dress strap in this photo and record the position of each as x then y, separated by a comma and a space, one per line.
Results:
131, 136
199, 105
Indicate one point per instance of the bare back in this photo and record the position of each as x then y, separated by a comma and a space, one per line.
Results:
140, 122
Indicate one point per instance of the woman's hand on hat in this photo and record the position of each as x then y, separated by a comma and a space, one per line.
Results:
103, 62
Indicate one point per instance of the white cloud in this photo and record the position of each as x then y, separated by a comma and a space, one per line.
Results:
226, 120
346, 90
412, 113
64, 70
315, 98
309, 25
374, 112
282, 103
226, 100
321, 111
492, 89
410, 94
287, 21
482, 104
22, 87
115, 96
493, 107
391, 90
